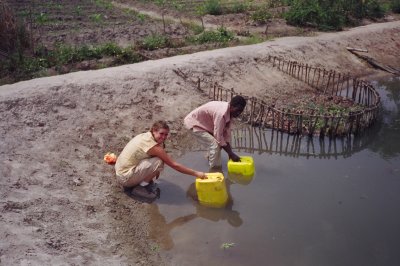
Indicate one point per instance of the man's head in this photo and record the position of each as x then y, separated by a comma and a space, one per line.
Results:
237, 105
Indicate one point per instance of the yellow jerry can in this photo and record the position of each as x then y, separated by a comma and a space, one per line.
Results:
244, 167
211, 192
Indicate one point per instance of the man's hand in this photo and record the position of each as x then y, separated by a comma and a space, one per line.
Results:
230, 153
234, 157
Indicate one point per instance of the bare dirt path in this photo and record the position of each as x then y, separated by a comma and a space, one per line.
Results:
59, 201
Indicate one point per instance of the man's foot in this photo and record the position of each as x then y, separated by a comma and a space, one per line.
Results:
144, 192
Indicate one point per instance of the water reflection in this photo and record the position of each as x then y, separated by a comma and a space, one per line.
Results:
161, 230
257, 140
387, 140
232, 217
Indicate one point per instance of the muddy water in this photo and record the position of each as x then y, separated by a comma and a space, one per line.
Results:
310, 202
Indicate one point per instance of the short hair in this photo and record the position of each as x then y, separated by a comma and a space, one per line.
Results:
237, 101
158, 125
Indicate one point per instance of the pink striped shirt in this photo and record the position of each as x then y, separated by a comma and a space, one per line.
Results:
213, 117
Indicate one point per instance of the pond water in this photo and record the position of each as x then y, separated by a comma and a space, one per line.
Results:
310, 202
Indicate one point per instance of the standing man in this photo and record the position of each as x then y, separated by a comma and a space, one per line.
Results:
211, 125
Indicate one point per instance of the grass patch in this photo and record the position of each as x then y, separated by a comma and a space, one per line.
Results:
221, 35
154, 42
18, 67
253, 39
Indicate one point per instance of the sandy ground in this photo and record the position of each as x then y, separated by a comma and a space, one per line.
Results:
60, 204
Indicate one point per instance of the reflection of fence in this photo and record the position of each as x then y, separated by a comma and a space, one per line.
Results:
301, 122
256, 140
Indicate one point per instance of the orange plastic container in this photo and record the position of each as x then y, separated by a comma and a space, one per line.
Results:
211, 192
244, 167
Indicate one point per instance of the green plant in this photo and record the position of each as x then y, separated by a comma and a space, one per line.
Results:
110, 49
261, 16
325, 15
395, 6
42, 18
227, 245
221, 35
332, 15
103, 4
78, 10
212, 7
98, 18
253, 39
238, 7
155, 248
128, 56
154, 42
142, 17
194, 27
374, 9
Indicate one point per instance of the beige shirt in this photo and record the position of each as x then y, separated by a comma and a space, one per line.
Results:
135, 151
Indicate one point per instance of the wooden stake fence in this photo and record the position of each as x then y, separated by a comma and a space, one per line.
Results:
258, 113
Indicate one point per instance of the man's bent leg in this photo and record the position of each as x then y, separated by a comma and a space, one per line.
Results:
214, 150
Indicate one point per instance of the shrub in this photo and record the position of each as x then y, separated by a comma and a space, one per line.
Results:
221, 35
13, 33
212, 7
154, 42
328, 15
323, 15
127, 56
110, 49
395, 6
24, 67
374, 9
238, 7
261, 16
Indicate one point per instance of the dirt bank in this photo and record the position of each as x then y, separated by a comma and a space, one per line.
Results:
59, 201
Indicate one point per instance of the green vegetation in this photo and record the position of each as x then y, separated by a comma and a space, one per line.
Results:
227, 245
98, 18
212, 7
103, 4
155, 41
239, 7
194, 27
253, 39
332, 14
42, 18
221, 35
22, 67
155, 248
395, 6
261, 15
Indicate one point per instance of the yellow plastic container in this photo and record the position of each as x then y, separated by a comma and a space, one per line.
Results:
244, 167
211, 192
